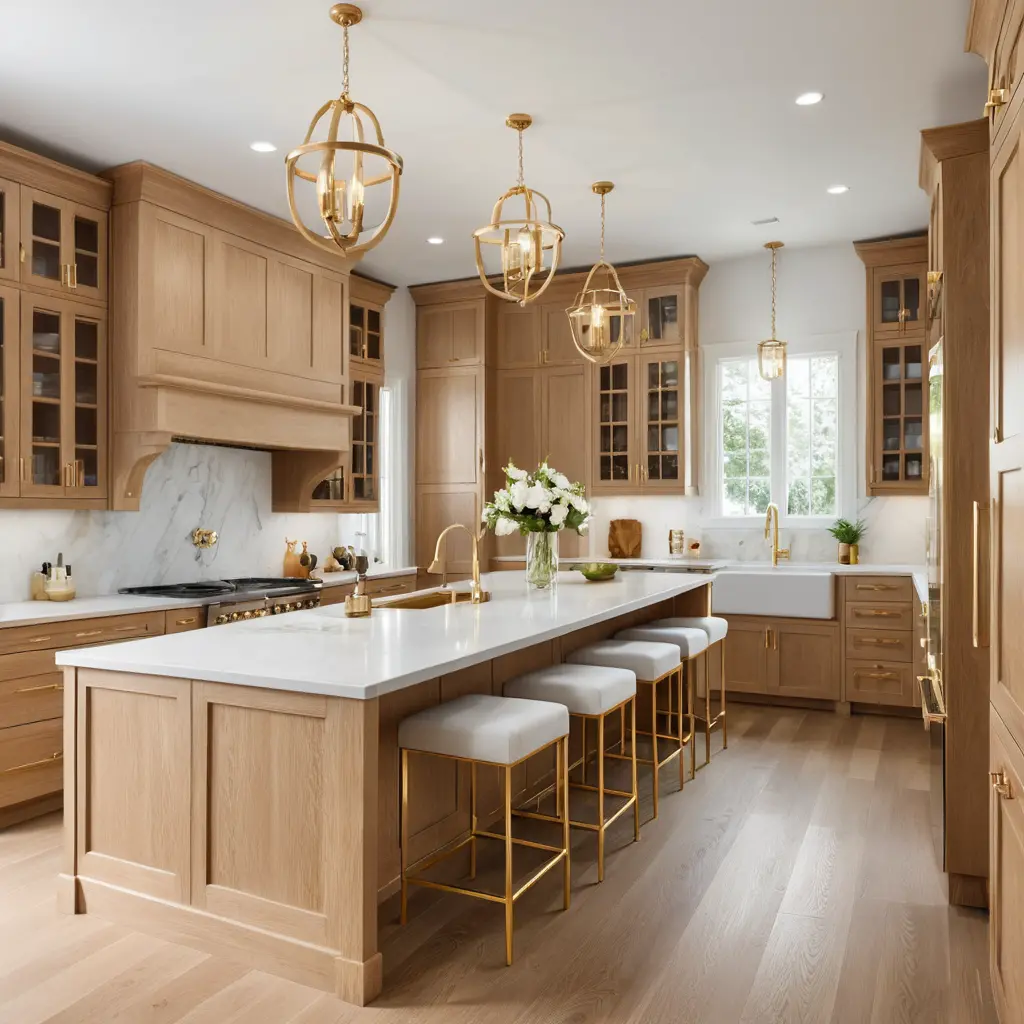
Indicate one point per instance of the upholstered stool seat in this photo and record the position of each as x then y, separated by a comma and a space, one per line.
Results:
716, 629
690, 640
589, 693
501, 731
657, 666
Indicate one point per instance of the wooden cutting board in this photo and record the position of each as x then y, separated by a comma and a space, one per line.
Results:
625, 538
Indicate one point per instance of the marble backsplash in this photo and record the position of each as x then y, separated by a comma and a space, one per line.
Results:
222, 489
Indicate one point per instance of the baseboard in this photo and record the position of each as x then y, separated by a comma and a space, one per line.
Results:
31, 809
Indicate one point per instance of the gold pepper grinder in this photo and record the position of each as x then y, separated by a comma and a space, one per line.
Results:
359, 604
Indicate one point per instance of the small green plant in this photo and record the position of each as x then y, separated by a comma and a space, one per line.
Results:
846, 532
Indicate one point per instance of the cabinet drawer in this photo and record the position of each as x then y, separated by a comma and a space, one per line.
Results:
31, 761
31, 699
335, 594
80, 632
879, 588
184, 619
879, 616
882, 644
870, 682
391, 586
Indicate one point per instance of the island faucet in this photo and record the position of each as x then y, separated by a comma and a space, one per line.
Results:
771, 528
439, 564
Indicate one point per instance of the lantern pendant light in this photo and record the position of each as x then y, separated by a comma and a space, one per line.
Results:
771, 354
525, 241
345, 168
601, 318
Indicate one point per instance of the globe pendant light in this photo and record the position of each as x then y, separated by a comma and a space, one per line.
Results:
771, 354
601, 318
345, 169
524, 241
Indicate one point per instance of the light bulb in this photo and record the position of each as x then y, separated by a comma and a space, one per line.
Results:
356, 197
597, 315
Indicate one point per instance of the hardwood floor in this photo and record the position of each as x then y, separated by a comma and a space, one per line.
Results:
793, 881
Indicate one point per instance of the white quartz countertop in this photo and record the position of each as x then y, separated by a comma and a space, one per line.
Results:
32, 613
322, 651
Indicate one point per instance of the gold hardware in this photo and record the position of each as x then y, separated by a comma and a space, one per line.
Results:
59, 755
996, 98
771, 354
21, 252
479, 595
72, 275
204, 538
124, 629
387, 590
39, 639
39, 689
89, 632
933, 707
21, 467
977, 640
185, 622
771, 529
875, 642
767, 638
1001, 784
876, 586
876, 675
902, 317
775, 639
997, 436
861, 612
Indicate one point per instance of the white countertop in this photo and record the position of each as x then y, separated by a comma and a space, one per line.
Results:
322, 651
32, 613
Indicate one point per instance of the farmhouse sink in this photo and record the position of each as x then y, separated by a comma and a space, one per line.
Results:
789, 593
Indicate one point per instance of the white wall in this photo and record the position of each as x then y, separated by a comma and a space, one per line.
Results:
820, 291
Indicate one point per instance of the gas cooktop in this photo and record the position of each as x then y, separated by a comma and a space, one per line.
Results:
243, 587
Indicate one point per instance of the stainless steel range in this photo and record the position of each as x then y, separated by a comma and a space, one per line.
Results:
240, 599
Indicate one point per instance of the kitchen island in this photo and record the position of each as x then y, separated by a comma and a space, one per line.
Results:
237, 788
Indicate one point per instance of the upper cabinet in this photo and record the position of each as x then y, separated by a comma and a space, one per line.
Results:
53, 334
897, 365
450, 334
366, 323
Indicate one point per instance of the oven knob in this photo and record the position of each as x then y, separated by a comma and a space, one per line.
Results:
263, 612
278, 609
308, 604
246, 615
220, 620
235, 616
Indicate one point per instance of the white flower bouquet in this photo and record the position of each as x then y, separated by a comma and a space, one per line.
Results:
538, 505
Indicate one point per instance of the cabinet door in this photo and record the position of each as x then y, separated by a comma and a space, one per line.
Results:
616, 458
450, 334
900, 299
10, 230
366, 334
565, 411
518, 433
10, 450
558, 347
663, 321
804, 659
449, 427
746, 656
437, 509
44, 236
364, 475
291, 331
519, 336
85, 409
45, 344
662, 422
899, 413
1006, 872
86, 234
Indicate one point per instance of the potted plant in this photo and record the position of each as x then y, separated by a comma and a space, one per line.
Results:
538, 505
848, 534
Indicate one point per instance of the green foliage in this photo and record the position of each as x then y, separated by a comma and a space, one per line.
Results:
847, 532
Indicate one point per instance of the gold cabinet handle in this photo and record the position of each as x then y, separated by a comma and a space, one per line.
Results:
387, 590
876, 586
185, 622
124, 629
21, 252
876, 675
1001, 784
89, 632
40, 689
21, 467
58, 756
767, 638
874, 642
876, 613
996, 98
72, 275
38, 639
978, 639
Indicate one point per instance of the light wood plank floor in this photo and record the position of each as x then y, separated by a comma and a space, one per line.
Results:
792, 881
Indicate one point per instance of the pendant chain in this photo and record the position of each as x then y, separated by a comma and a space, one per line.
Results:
521, 183
344, 63
775, 253
602, 226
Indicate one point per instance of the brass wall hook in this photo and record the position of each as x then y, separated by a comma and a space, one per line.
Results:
203, 538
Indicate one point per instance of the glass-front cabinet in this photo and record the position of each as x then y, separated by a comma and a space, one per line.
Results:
9, 447
10, 230
661, 314
366, 334
900, 302
900, 416
65, 246
616, 453
63, 400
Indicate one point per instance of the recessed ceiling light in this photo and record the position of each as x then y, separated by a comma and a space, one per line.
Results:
263, 147
434, 240
808, 99
837, 190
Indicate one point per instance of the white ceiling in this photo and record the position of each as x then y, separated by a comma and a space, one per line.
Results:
686, 104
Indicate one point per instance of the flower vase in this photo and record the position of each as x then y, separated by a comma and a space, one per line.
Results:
541, 560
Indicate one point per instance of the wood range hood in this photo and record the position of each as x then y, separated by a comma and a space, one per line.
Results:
227, 328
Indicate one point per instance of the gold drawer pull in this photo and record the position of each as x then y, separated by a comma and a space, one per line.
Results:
39, 639
185, 622
876, 613
394, 586
1001, 784
124, 629
877, 586
35, 764
89, 632
875, 675
875, 642
39, 689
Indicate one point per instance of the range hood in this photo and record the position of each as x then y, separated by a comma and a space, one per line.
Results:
227, 328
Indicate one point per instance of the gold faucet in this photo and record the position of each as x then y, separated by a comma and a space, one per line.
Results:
771, 528
477, 593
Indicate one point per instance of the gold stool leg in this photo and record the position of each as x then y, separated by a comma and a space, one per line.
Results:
508, 865
636, 794
725, 720
563, 770
472, 819
654, 741
622, 730
692, 717
583, 730
600, 799
707, 707
404, 812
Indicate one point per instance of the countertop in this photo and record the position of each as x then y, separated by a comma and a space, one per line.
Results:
31, 613
322, 651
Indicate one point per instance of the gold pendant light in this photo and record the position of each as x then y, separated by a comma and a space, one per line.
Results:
525, 241
771, 354
369, 169
601, 318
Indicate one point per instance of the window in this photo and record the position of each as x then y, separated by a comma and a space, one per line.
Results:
790, 441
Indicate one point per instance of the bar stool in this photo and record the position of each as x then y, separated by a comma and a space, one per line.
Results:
589, 693
501, 732
691, 642
717, 629
652, 664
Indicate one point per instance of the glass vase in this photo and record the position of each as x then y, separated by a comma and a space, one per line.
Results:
541, 560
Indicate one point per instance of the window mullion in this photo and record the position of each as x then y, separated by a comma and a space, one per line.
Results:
778, 452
